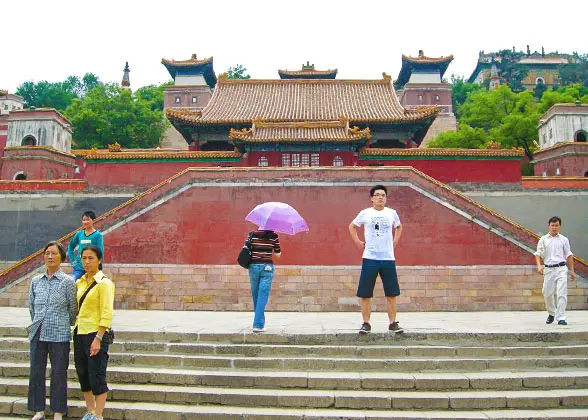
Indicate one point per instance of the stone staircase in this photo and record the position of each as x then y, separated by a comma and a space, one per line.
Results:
188, 376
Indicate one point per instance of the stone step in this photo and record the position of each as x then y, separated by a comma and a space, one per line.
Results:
377, 351
339, 399
155, 411
328, 363
504, 380
558, 335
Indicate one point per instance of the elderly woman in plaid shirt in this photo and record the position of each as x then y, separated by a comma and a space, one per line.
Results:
53, 307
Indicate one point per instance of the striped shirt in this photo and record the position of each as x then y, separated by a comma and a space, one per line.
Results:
53, 307
263, 243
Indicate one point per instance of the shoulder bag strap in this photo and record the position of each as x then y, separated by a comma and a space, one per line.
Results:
84, 296
248, 241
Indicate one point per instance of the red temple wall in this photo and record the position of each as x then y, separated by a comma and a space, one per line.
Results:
205, 225
571, 165
152, 173
460, 170
35, 169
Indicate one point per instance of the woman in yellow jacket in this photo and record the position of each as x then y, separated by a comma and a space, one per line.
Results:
92, 332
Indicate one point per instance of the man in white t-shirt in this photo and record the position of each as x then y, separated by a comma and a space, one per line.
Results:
554, 249
382, 230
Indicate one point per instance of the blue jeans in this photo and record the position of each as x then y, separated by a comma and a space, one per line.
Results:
260, 277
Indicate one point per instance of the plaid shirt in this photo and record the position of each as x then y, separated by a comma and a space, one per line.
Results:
53, 307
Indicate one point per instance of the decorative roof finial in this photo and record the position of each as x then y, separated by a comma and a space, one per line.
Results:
528, 50
126, 81
421, 54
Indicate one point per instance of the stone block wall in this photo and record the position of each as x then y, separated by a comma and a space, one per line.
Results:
323, 288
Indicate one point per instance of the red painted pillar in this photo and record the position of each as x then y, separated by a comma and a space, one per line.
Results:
195, 146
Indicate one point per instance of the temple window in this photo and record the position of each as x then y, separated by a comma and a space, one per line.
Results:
551, 133
64, 175
178, 100
305, 160
436, 98
315, 159
20, 176
557, 171
337, 161
420, 98
539, 80
51, 174
295, 159
194, 99
262, 162
580, 136
285, 159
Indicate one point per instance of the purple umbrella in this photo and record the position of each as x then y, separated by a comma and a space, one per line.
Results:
279, 217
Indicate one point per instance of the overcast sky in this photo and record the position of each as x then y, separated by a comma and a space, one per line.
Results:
49, 40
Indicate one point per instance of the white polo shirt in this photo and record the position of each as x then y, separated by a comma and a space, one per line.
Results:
553, 249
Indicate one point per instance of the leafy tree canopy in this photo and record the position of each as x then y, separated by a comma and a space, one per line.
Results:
510, 70
576, 72
461, 90
109, 114
465, 138
58, 95
237, 72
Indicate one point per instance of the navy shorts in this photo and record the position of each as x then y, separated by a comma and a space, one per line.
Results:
369, 273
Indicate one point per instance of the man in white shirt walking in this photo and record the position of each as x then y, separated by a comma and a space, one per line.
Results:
554, 249
382, 230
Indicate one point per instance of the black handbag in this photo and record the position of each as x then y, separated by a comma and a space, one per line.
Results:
244, 258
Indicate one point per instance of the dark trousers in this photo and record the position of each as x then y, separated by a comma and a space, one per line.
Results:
91, 370
59, 357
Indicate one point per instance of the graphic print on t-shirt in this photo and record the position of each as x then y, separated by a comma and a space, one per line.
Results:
381, 226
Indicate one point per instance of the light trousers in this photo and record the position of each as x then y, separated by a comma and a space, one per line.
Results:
555, 291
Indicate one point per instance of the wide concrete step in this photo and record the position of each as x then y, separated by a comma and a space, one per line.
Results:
505, 380
363, 351
559, 335
340, 399
329, 363
15, 407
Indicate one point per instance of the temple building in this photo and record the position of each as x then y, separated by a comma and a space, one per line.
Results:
194, 81
306, 118
420, 84
542, 68
563, 131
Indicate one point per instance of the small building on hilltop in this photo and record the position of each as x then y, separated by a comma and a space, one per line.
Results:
563, 131
420, 84
542, 68
307, 72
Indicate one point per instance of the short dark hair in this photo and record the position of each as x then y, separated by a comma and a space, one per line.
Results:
376, 188
89, 214
96, 250
554, 219
59, 246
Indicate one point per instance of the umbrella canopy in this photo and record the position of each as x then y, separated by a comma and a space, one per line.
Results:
279, 217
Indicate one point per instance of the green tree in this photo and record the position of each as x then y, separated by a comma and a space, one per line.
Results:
563, 95
575, 72
237, 72
510, 70
153, 94
109, 114
58, 95
465, 138
461, 91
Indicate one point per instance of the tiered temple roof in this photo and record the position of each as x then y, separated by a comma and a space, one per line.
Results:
241, 101
300, 132
307, 72
3, 92
421, 63
191, 66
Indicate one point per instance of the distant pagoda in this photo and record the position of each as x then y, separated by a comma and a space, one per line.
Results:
307, 72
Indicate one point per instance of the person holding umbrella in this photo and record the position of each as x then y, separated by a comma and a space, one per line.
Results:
271, 217
382, 230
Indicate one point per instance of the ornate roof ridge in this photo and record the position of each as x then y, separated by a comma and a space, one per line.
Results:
425, 59
564, 144
190, 62
439, 152
341, 122
127, 155
307, 72
47, 148
386, 79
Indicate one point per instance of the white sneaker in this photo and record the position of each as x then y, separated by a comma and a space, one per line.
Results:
258, 330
